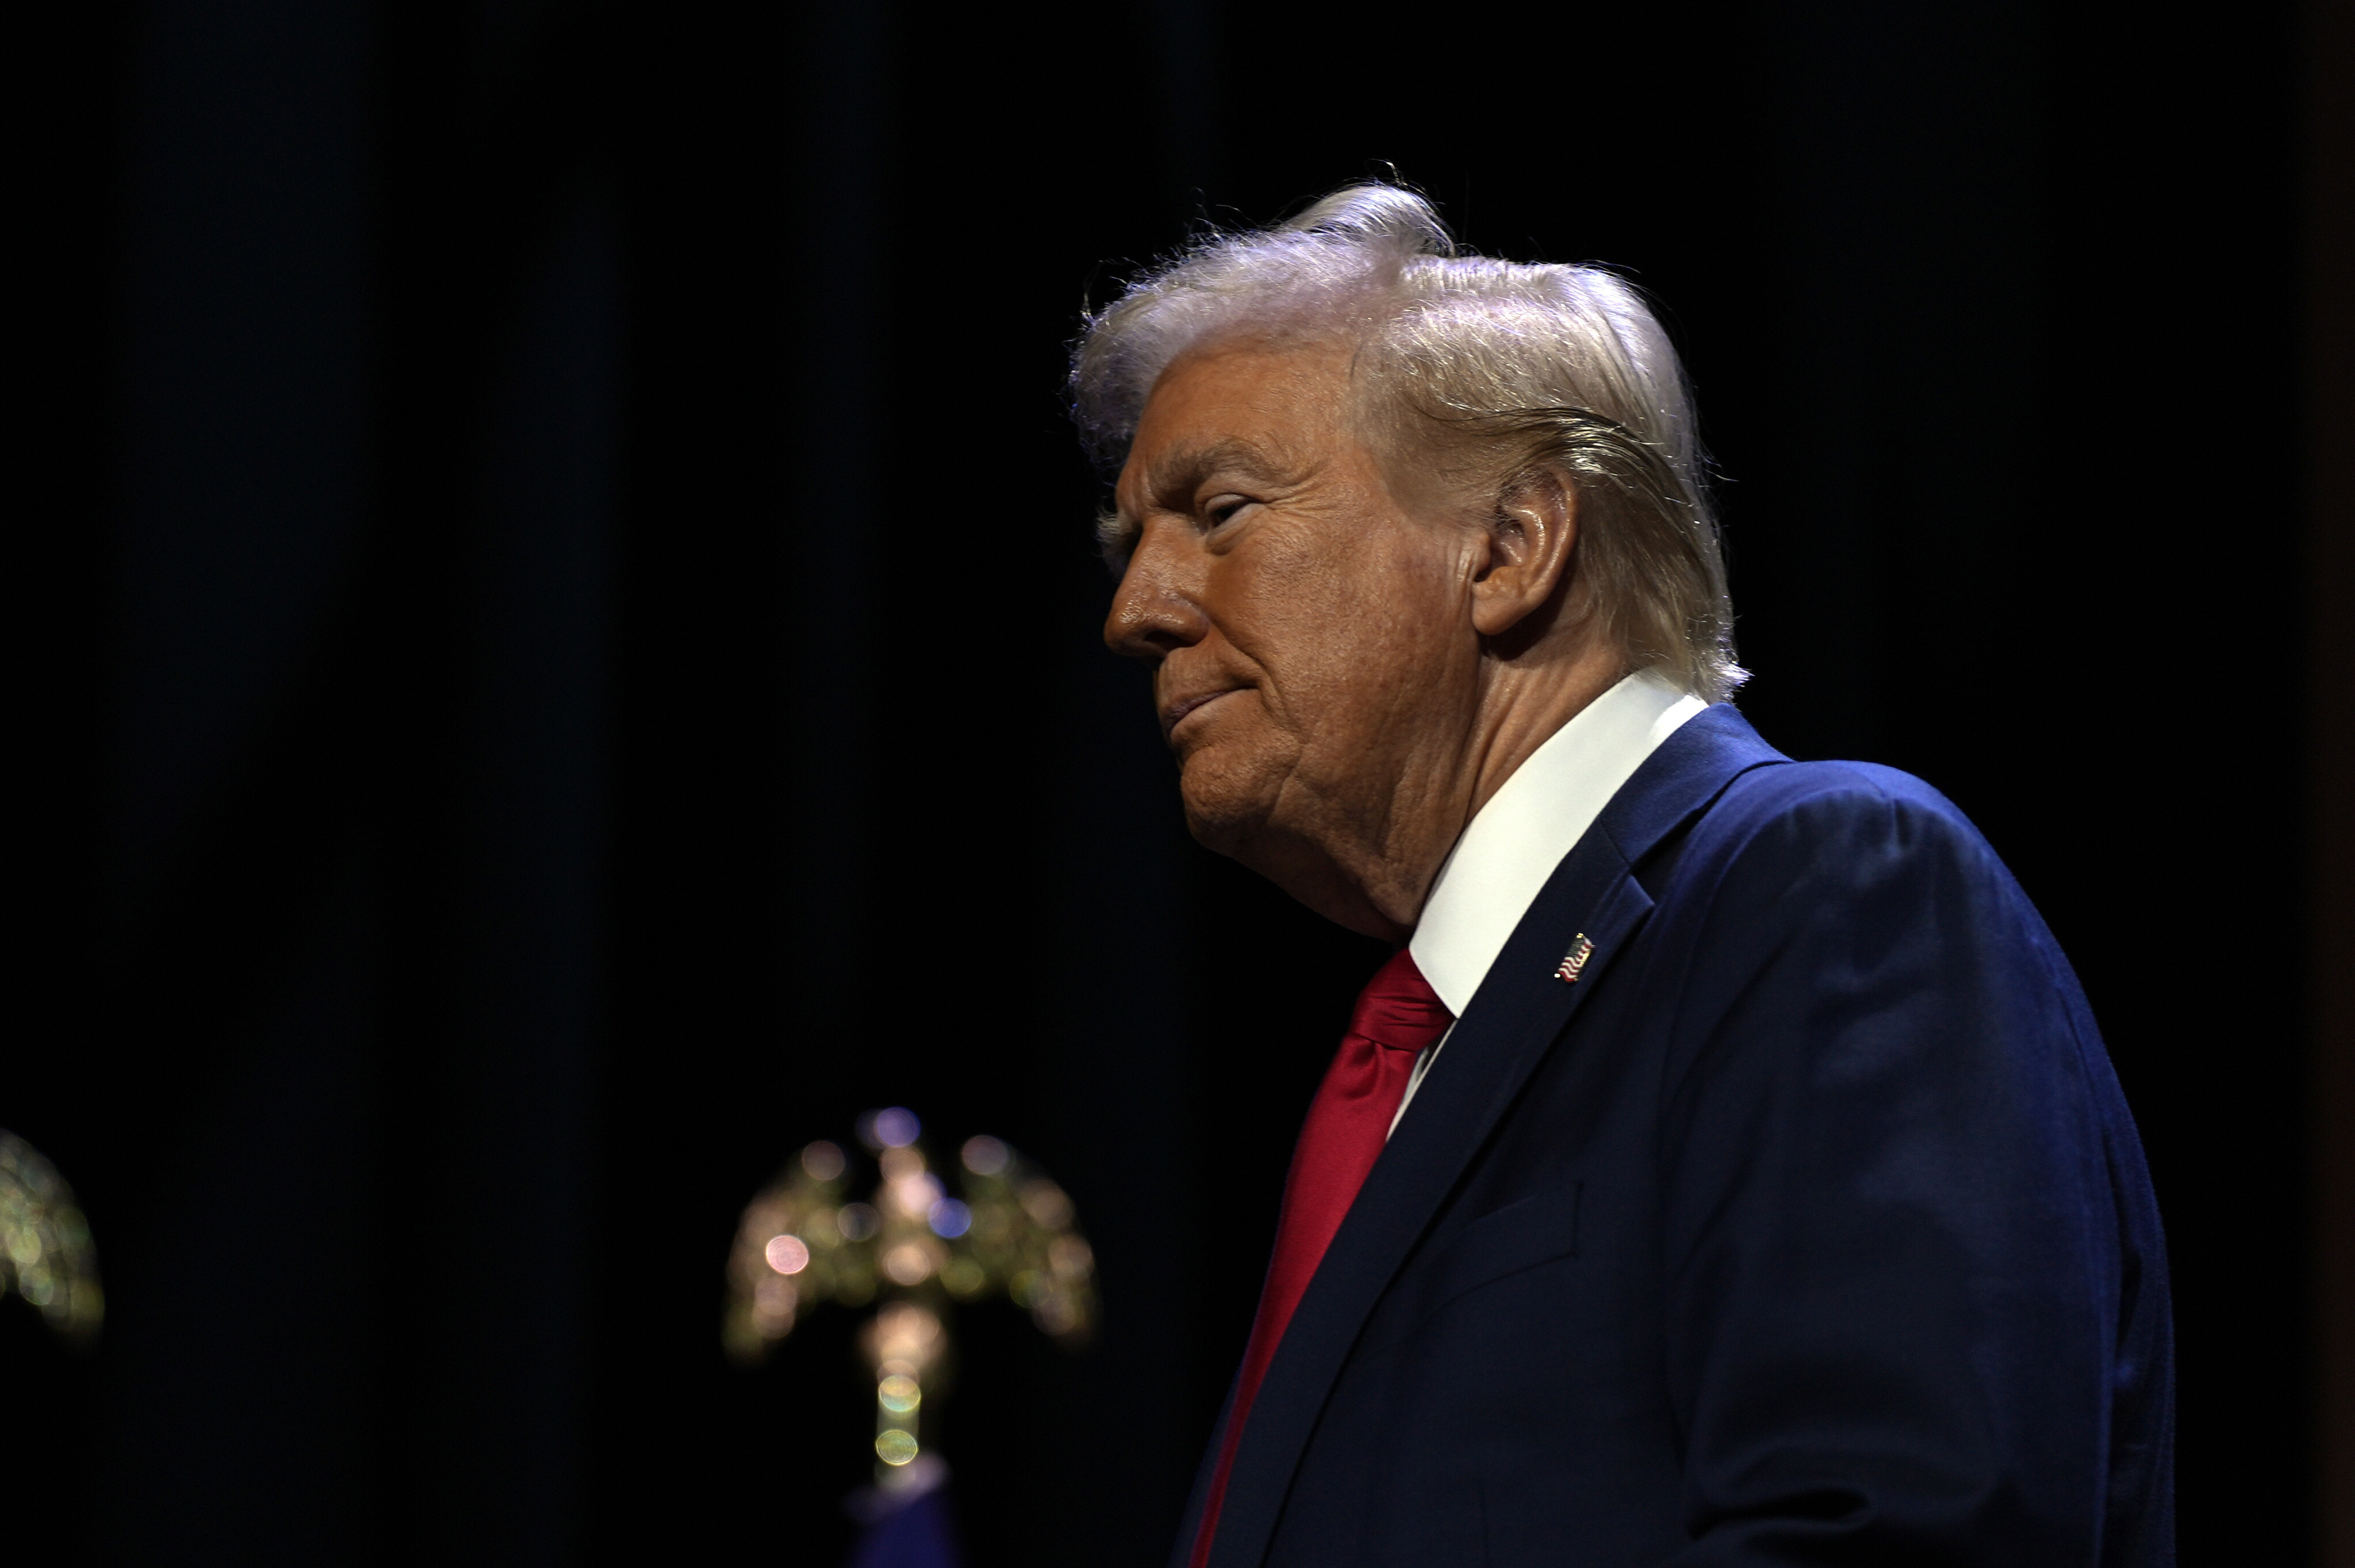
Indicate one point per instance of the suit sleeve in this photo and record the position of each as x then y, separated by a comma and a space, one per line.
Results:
1897, 1280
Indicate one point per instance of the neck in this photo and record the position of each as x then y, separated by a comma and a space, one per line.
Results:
1525, 707
1375, 880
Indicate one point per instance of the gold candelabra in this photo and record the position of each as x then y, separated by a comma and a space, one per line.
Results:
914, 1250
45, 1255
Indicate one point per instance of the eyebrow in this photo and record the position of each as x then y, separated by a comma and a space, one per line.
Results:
1172, 483
1182, 471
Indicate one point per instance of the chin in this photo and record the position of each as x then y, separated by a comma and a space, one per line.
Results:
1225, 807
1218, 827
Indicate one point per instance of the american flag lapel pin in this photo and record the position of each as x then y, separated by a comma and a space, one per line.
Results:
1574, 963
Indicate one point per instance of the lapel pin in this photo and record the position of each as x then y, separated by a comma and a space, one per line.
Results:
1574, 963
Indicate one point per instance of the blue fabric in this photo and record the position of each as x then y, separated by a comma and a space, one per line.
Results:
919, 1533
1809, 1226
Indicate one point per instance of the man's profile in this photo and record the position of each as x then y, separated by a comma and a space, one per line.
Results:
1725, 1168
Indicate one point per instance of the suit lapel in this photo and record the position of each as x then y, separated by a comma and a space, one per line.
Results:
1522, 1008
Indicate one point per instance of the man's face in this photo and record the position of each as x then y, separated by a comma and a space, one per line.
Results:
1314, 663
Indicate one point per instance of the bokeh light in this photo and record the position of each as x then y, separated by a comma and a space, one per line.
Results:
908, 1264
903, 1339
1046, 1202
45, 1255
857, 1221
805, 1240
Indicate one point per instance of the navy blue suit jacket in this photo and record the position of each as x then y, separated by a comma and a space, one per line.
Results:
1806, 1227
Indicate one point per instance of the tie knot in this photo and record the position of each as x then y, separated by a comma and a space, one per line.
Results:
1397, 1010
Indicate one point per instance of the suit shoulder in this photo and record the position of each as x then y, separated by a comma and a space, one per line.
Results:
1813, 808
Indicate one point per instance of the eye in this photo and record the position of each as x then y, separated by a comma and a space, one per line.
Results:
1221, 510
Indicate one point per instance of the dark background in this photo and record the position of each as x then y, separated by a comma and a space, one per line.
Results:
554, 630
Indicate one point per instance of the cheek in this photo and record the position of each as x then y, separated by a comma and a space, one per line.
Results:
1244, 738
1369, 633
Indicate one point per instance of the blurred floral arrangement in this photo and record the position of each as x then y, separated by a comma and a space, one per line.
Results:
914, 1248
45, 1255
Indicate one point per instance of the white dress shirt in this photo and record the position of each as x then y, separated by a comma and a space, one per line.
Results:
1513, 844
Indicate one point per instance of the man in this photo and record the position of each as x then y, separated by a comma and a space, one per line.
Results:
1725, 1169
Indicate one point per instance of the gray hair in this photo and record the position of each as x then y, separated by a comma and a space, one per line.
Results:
1517, 370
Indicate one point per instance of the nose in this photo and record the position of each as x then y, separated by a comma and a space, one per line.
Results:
1157, 607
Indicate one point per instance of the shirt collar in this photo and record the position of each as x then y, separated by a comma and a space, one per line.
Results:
1500, 864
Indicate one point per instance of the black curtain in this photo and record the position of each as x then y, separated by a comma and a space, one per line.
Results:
559, 634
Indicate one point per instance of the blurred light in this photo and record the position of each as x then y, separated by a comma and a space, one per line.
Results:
773, 1300
923, 1474
904, 1338
915, 1196
764, 1217
1012, 1231
1046, 1202
45, 1248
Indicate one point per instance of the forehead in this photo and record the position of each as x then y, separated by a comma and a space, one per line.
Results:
1237, 403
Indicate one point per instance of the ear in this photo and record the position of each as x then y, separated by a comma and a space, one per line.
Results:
1527, 547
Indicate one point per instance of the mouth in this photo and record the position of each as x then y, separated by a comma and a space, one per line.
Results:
1179, 710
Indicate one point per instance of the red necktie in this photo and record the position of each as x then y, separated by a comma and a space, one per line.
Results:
1397, 1016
